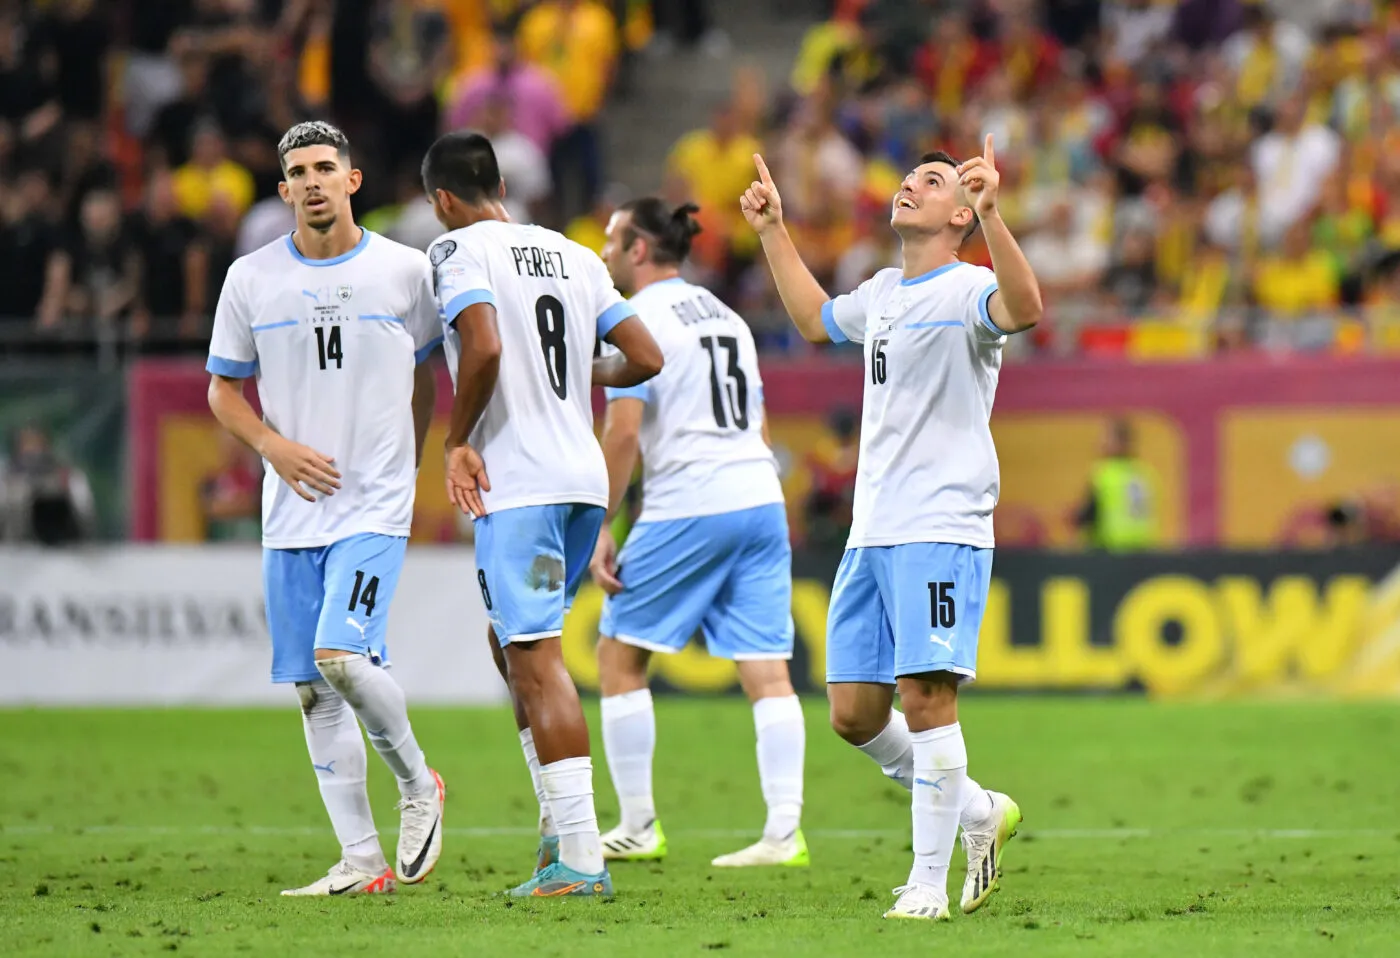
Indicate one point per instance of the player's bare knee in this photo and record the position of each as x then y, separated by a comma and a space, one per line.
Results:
856, 723
622, 668
765, 679
930, 700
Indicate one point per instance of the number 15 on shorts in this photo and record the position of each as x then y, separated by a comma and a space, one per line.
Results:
942, 609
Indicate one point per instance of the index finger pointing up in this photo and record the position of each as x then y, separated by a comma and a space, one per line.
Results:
988, 153
763, 175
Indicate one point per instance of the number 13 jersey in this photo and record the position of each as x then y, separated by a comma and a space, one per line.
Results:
554, 301
702, 433
333, 344
928, 468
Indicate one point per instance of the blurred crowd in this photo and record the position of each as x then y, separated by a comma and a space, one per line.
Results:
1185, 176
138, 138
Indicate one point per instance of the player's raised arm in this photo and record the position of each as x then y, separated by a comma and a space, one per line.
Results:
803, 297
1016, 306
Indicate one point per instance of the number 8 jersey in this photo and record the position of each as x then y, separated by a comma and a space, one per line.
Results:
333, 344
554, 301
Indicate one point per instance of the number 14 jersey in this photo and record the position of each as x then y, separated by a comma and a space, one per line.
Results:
554, 301
333, 344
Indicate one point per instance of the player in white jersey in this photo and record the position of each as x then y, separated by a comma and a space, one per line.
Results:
710, 549
909, 595
524, 309
335, 322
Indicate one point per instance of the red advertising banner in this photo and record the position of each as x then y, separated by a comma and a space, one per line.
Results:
1242, 447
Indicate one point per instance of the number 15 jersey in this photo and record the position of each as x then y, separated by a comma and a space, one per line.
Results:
928, 468
554, 301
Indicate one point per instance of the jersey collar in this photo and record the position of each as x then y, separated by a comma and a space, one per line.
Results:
334, 260
907, 282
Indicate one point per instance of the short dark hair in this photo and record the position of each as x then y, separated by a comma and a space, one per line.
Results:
939, 156
668, 231
313, 133
464, 164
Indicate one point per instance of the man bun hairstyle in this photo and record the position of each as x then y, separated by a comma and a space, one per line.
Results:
668, 232
464, 164
312, 133
939, 156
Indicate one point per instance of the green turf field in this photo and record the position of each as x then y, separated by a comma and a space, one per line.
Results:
1152, 829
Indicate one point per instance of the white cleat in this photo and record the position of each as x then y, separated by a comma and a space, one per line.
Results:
647, 845
420, 833
790, 851
984, 846
346, 879
922, 902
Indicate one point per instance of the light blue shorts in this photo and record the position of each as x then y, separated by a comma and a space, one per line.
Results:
906, 609
529, 563
330, 597
728, 574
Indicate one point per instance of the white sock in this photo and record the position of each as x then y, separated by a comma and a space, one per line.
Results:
977, 804
629, 741
893, 751
782, 742
940, 768
379, 702
569, 785
532, 761
338, 757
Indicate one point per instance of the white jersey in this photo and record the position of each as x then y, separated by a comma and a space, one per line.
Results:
333, 344
702, 433
554, 301
928, 468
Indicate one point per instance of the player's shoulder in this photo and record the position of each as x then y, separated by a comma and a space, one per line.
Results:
269, 259
881, 283
384, 249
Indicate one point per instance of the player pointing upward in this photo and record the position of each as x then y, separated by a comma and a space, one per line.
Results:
908, 598
524, 309
335, 323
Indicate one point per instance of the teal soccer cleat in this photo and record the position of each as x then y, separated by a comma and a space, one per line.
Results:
558, 880
547, 854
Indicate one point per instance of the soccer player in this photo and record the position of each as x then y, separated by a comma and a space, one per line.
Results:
524, 309
710, 550
335, 322
908, 598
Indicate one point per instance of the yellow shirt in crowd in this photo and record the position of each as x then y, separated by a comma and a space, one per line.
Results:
578, 48
1291, 287
717, 173
195, 188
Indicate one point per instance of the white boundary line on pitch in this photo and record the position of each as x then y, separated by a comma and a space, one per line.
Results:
850, 834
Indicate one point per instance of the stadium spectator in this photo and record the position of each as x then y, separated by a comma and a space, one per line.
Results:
174, 266
45, 499
1121, 508
28, 239
1297, 281
1291, 163
539, 111
832, 468
230, 497
411, 52
709, 167
576, 41
211, 175
92, 276
524, 167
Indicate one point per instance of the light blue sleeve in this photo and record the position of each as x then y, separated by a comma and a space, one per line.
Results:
424, 324
232, 351
844, 316
642, 392
609, 306
462, 276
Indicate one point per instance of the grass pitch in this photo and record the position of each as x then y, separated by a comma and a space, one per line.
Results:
1151, 829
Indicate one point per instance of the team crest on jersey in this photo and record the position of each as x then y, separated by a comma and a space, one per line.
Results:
345, 292
439, 253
